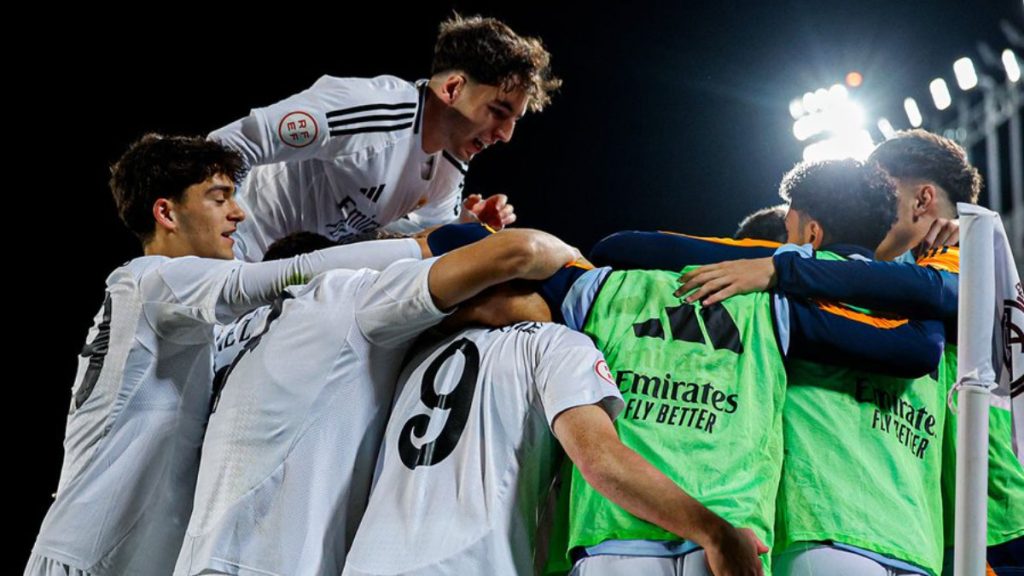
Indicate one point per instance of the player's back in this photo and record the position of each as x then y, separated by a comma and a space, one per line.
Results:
468, 450
289, 452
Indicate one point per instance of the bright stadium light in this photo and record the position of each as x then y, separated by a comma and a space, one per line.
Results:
940, 93
837, 93
913, 112
809, 102
966, 77
885, 127
809, 125
796, 108
856, 145
1012, 65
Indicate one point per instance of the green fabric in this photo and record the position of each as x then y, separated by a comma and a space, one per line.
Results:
1005, 475
704, 389
863, 462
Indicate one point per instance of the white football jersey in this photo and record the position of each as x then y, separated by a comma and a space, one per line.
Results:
468, 451
290, 450
142, 397
341, 158
138, 410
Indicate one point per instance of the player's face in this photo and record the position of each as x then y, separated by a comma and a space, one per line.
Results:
482, 115
797, 228
207, 216
902, 236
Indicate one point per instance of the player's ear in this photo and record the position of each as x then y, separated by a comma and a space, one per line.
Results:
924, 199
163, 214
453, 86
815, 234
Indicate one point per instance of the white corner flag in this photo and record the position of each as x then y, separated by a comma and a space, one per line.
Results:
990, 371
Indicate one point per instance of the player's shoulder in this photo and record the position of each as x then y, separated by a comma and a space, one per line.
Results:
942, 258
352, 97
136, 269
545, 337
368, 114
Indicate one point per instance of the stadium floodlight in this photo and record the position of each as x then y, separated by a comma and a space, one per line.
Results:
885, 127
940, 93
913, 112
856, 145
966, 77
809, 125
796, 108
837, 93
1012, 65
809, 102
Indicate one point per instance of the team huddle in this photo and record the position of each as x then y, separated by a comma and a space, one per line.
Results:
328, 361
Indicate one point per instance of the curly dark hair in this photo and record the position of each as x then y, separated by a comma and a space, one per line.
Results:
855, 202
764, 224
921, 155
489, 52
157, 166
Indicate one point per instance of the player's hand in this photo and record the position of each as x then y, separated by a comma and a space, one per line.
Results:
495, 211
716, 282
734, 552
943, 232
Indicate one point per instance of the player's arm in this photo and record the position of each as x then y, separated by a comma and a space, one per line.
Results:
909, 289
835, 334
507, 255
218, 291
669, 251
624, 477
300, 126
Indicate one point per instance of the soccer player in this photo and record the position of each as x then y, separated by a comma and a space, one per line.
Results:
289, 451
811, 387
349, 155
469, 451
932, 174
142, 392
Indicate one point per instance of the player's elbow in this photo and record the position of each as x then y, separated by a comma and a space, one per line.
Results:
924, 355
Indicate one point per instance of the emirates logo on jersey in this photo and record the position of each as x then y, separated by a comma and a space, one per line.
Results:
602, 370
298, 130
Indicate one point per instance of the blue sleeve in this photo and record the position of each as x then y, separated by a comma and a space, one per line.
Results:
909, 350
907, 289
662, 251
452, 236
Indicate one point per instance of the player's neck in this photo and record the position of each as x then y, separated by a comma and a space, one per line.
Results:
433, 108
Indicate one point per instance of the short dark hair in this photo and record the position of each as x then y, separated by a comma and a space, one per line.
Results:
764, 224
921, 155
855, 202
295, 244
157, 166
492, 53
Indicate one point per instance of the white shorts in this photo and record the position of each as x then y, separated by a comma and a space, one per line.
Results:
691, 564
825, 560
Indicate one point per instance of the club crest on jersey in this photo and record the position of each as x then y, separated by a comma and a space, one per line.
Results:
602, 370
298, 129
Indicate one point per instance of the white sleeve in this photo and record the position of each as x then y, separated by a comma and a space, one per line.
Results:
296, 128
571, 372
218, 291
396, 306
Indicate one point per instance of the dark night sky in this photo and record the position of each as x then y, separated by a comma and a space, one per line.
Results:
670, 117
